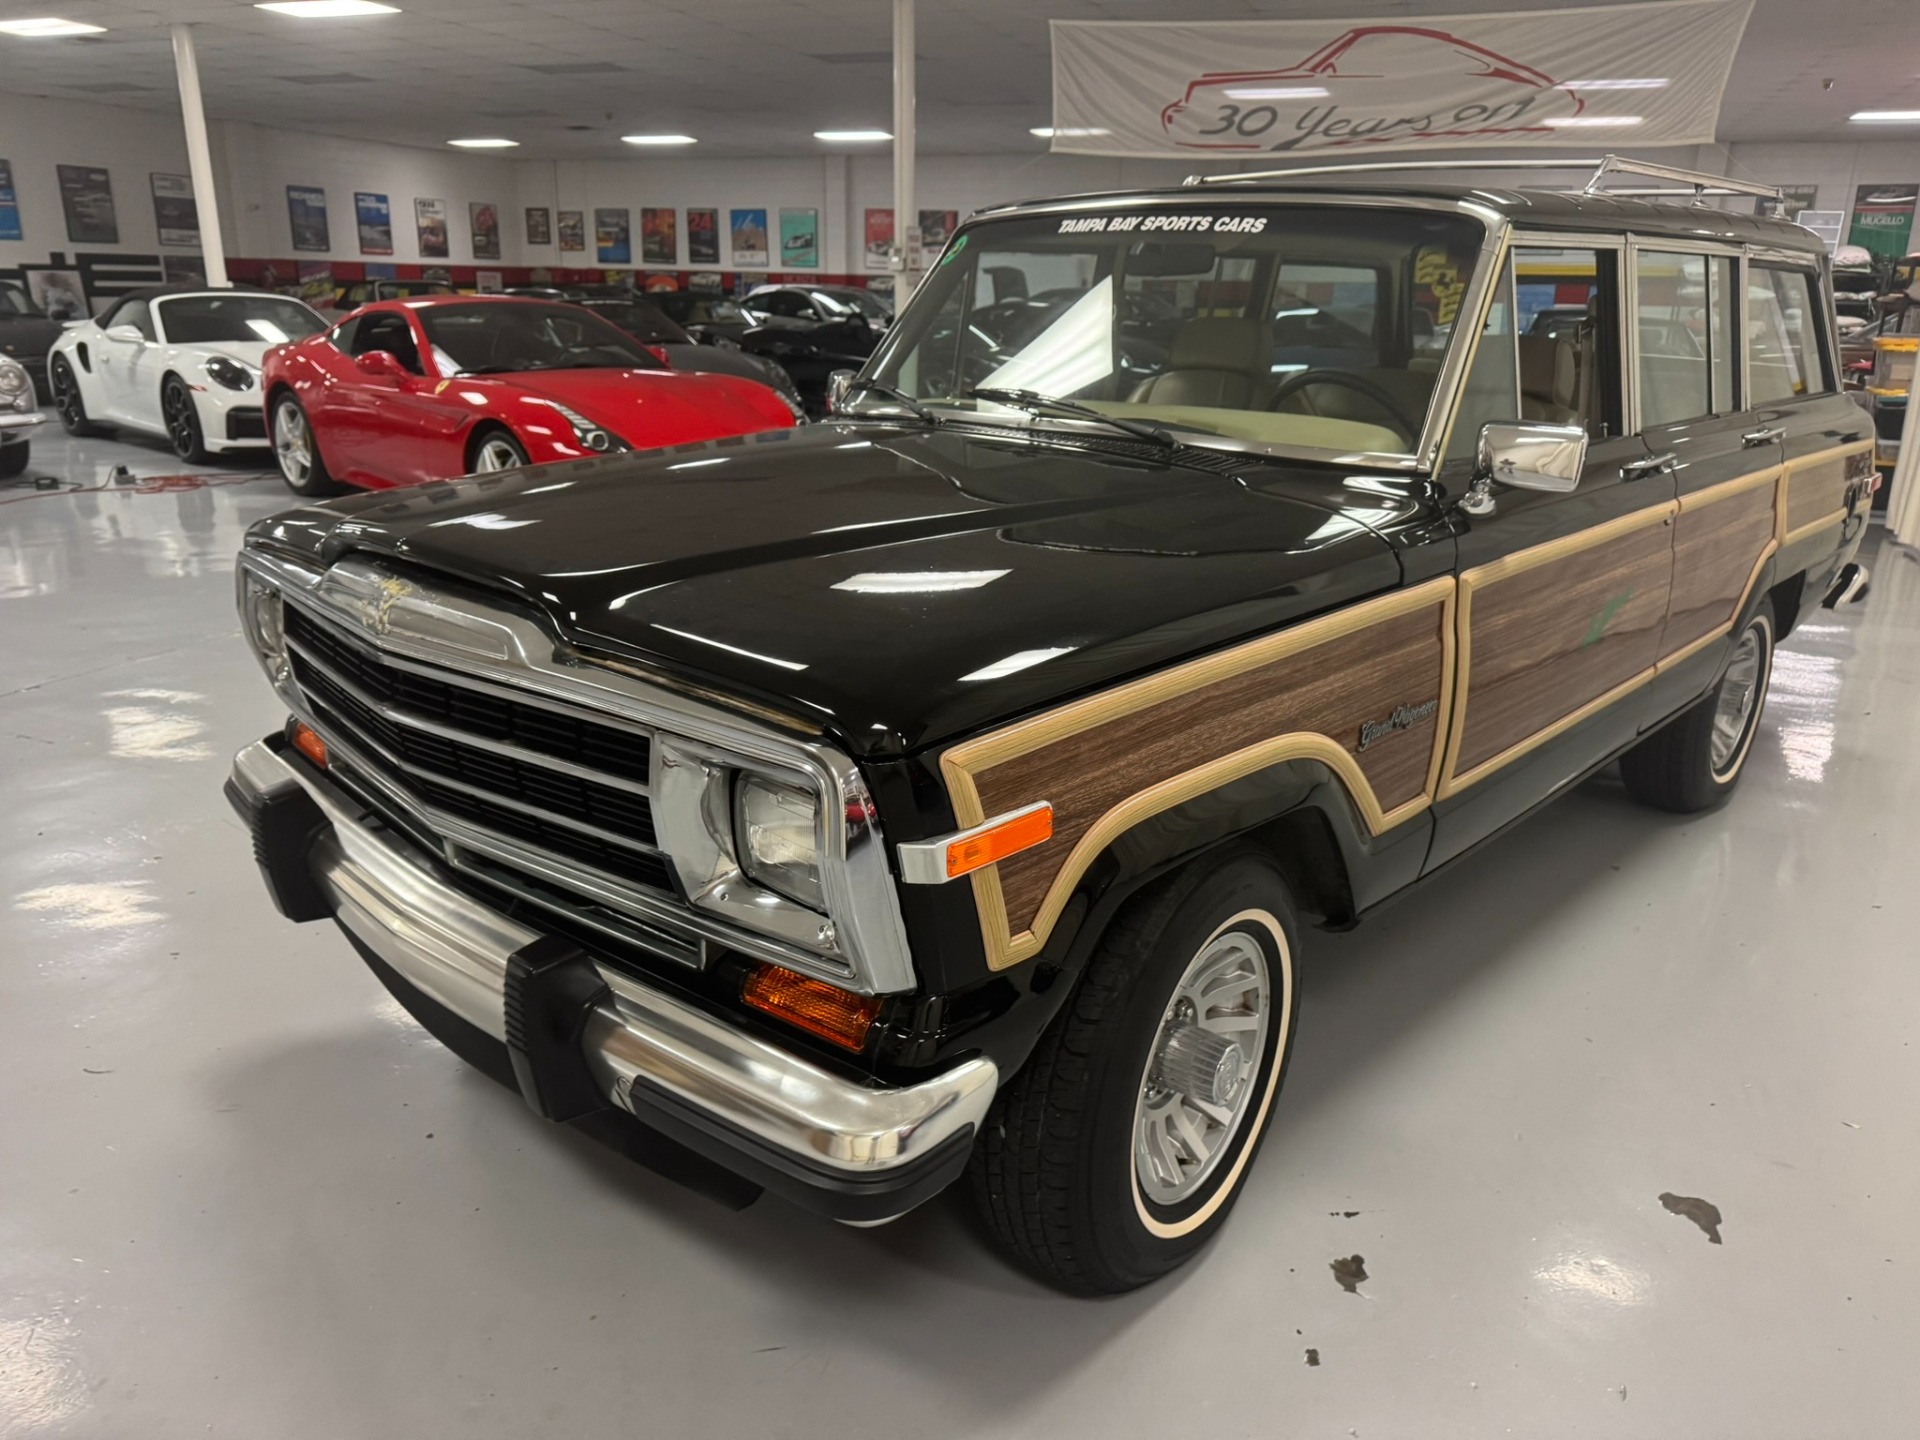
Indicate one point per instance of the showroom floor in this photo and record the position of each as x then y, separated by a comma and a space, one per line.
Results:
241, 1193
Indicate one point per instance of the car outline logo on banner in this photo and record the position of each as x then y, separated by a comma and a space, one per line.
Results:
1319, 109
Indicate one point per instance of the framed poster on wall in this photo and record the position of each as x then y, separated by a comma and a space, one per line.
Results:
659, 236
936, 226
86, 195
176, 218
485, 222
703, 237
9, 204
573, 230
1882, 218
58, 293
374, 217
307, 217
430, 225
879, 230
539, 226
749, 230
613, 237
800, 239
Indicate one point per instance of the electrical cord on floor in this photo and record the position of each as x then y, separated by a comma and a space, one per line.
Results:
39, 486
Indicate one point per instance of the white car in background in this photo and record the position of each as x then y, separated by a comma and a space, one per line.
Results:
179, 362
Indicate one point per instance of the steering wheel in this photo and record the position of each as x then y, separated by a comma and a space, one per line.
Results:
1374, 391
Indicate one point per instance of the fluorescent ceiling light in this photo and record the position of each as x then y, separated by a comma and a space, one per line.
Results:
327, 9
1019, 660
47, 27
1646, 84
1564, 122
1279, 92
485, 143
1864, 117
659, 140
838, 136
1047, 132
917, 582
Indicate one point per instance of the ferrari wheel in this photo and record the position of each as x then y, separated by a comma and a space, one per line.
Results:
297, 452
183, 421
497, 450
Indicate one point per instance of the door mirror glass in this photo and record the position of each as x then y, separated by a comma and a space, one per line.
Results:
838, 383
127, 334
1531, 455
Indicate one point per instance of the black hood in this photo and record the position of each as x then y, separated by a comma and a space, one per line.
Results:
783, 566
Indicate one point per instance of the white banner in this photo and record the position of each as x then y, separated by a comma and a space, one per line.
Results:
1615, 77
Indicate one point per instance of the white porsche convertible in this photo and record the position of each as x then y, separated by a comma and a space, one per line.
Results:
178, 362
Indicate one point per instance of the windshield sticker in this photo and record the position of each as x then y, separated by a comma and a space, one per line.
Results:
1184, 224
954, 249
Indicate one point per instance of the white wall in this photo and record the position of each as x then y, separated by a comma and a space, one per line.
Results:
37, 134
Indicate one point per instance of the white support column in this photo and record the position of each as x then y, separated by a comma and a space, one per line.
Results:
907, 261
213, 251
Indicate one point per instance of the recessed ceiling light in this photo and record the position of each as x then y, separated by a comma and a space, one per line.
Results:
659, 140
838, 136
1886, 117
1563, 122
1047, 132
485, 142
1279, 92
47, 27
1646, 84
327, 9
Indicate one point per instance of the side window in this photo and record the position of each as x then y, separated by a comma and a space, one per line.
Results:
1678, 330
136, 313
1492, 388
342, 336
391, 333
1783, 351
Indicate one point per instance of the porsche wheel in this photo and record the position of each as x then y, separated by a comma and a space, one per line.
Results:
298, 453
66, 399
182, 417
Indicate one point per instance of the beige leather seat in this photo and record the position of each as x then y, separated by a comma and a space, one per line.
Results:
1223, 361
1556, 376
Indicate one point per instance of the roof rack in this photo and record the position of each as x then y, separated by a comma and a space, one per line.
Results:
1701, 182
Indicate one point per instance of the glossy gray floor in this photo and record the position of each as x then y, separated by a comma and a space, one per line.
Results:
241, 1194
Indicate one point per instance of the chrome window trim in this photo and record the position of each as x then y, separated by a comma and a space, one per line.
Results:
1660, 245
1425, 454
399, 616
1827, 342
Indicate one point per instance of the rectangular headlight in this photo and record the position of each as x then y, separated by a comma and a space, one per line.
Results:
777, 829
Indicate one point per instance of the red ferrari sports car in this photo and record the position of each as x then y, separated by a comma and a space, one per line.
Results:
405, 391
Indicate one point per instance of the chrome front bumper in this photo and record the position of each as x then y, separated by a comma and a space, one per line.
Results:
843, 1148
15, 423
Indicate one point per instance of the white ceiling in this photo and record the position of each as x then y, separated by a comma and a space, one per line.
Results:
757, 77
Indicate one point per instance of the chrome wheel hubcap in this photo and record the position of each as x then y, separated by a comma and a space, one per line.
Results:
1201, 1070
497, 454
291, 445
1739, 696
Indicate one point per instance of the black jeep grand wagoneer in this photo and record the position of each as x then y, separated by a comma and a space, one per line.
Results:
945, 789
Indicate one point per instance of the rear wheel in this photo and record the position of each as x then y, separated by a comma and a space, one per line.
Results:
1693, 761
13, 459
1121, 1147
66, 398
183, 421
298, 453
497, 450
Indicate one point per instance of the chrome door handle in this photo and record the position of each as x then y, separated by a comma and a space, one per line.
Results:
1652, 465
1768, 436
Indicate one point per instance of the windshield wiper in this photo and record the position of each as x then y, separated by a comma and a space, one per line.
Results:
899, 397
1035, 403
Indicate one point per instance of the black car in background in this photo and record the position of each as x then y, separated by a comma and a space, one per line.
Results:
26, 334
807, 349
681, 351
820, 302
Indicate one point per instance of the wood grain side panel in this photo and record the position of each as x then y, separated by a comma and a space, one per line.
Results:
1109, 762
1549, 637
1815, 491
1718, 538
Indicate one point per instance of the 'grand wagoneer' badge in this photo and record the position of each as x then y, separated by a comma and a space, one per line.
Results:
1401, 718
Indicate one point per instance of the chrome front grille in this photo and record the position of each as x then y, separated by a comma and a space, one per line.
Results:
526, 794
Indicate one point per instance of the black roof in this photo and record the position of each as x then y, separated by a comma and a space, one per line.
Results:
1542, 209
162, 292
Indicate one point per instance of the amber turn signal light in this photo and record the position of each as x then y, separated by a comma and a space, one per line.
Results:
1012, 835
309, 744
813, 1005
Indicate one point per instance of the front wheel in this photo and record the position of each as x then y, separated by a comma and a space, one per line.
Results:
67, 400
298, 453
13, 459
183, 421
1121, 1147
497, 450
1693, 761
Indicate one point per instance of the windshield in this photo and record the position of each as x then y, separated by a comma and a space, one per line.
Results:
703, 309
867, 304
643, 322
236, 319
1297, 325
491, 337
14, 300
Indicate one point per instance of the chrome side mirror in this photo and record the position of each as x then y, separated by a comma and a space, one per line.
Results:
1527, 455
838, 383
